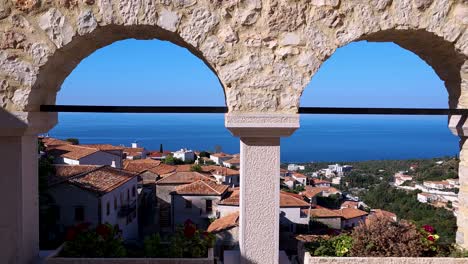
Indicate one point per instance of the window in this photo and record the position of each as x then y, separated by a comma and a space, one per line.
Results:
188, 203
115, 203
79, 214
108, 208
133, 191
209, 206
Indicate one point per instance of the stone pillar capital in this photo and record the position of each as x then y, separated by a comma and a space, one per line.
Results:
25, 123
261, 124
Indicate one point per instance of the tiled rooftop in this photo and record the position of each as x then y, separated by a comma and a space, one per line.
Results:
201, 188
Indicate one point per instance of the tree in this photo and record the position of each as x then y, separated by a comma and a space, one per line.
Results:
161, 148
204, 154
233, 167
196, 168
74, 141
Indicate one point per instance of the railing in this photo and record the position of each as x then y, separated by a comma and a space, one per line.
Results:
222, 109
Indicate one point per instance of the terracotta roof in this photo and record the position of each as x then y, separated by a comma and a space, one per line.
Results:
232, 198
314, 191
183, 178
220, 154
64, 172
349, 213
201, 188
74, 152
50, 142
292, 200
318, 181
349, 204
299, 175
103, 180
219, 170
233, 160
157, 154
223, 223
283, 170
140, 165
286, 199
98, 179
382, 213
103, 147
162, 169
322, 212
184, 167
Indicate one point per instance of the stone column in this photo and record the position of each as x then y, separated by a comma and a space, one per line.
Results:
259, 182
19, 224
459, 127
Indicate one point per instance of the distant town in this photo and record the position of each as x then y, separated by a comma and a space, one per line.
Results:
146, 192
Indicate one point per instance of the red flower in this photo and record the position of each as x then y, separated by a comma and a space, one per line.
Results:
431, 238
189, 230
71, 234
103, 230
82, 227
429, 229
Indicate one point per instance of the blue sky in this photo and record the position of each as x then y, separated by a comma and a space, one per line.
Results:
153, 72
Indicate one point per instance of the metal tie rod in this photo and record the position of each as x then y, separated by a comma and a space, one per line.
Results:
223, 109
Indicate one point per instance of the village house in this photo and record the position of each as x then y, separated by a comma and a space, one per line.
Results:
220, 157
95, 195
85, 154
401, 177
149, 170
425, 197
300, 178
336, 180
232, 163
311, 192
134, 152
381, 213
186, 155
292, 215
295, 167
440, 185
224, 175
196, 201
321, 183
345, 218
289, 182
226, 230
164, 189
156, 155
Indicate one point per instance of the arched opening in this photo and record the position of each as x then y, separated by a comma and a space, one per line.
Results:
385, 75
157, 134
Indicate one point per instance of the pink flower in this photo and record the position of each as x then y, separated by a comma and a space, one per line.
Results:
429, 229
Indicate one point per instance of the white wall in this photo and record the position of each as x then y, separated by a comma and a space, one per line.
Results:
226, 210
101, 158
130, 229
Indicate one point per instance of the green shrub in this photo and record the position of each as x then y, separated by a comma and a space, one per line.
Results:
103, 242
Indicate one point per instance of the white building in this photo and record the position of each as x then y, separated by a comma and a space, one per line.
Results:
86, 155
401, 177
426, 197
185, 155
135, 152
232, 163
336, 180
295, 167
300, 178
220, 157
226, 176
338, 170
95, 195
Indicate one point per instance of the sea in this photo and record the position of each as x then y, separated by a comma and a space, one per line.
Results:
320, 137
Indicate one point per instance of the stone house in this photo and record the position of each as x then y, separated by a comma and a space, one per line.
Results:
164, 189
345, 218
196, 201
95, 195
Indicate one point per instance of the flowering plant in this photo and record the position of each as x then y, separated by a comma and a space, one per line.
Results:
103, 241
429, 239
190, 242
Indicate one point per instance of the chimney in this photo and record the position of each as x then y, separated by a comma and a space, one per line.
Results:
134, 145
113, 164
